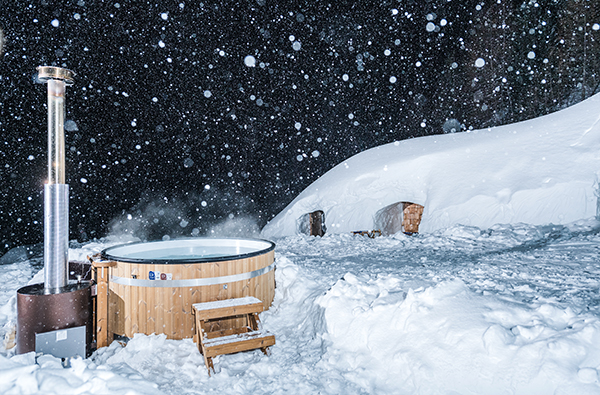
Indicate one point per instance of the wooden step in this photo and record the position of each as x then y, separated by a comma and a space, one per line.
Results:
227, 308
233, 337
237, 343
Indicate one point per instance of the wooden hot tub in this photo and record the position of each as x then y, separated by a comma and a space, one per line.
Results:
152, 286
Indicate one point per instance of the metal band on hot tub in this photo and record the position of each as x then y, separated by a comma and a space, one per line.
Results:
194, 282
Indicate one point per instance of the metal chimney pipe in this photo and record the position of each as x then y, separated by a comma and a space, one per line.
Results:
53, 317
56, 192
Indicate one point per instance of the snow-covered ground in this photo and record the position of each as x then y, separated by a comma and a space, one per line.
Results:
479, 302
510, 309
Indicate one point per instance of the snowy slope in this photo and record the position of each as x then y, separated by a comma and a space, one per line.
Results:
539, 171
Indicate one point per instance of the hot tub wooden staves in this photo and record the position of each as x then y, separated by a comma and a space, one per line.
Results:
157, 296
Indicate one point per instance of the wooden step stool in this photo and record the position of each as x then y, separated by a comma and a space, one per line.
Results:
232, 338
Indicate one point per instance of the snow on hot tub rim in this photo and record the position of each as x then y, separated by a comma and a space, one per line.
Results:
258, 246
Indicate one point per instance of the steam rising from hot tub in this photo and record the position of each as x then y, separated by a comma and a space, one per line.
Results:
208, 213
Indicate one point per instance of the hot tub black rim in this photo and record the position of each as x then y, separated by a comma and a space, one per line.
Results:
106, 256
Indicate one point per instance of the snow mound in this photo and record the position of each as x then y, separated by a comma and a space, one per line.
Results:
447, 338
539, 171
21, 374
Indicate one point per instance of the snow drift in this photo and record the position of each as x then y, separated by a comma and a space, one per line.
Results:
538, 172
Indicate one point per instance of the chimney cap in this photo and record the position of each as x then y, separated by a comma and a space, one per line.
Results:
46, 73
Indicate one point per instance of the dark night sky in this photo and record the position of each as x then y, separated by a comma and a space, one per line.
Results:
167, 124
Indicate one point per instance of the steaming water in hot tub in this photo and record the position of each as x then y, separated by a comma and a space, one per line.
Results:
152, 286
188, 250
